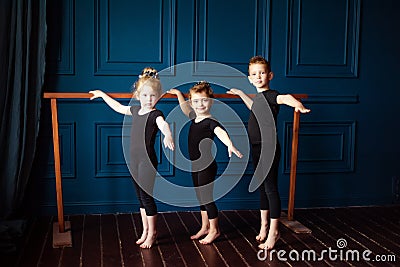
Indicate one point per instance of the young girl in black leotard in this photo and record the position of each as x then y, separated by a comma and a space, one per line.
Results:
260, 75
202, 130
146, 121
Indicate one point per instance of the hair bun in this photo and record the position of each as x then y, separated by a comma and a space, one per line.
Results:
149, 73
204, 83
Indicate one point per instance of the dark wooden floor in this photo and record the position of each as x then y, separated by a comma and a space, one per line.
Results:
109, 240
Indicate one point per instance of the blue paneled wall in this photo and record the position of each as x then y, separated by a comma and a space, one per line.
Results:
342, 53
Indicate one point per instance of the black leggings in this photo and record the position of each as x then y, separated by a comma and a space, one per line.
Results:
205, 197
144, 171
269, 194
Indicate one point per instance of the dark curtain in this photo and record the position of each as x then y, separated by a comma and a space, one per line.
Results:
22, 67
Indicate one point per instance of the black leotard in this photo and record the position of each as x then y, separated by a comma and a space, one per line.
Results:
259, 116
143, 162
143, 133
204, 166
198, 132
261, 120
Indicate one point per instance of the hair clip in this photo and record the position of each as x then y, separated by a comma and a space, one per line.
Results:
205, 83
149, 73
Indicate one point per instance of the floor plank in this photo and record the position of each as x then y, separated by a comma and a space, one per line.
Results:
169, 250
71, 256
110, 247
132, 255
91, 247
188, 248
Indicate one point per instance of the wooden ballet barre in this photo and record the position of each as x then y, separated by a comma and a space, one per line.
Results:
56, 144
130, 95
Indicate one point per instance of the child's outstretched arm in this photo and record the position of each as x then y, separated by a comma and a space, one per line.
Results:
166, 131
293, 102
224, 137
246, 99
112, 103
185, 106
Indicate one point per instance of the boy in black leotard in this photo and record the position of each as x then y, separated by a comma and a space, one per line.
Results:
204, 168
146, 121
260, 75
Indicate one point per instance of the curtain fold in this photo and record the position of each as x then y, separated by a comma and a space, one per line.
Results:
22, 67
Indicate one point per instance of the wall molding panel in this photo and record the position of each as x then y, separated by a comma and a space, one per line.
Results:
66, 131
331, 99
214, 36
238, 133
61, 38
323, 38
126, 38
324, 147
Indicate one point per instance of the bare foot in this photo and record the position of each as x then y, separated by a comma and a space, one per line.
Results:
262, 235
199, 234
149, 241
209, 238
142, 238
271, 241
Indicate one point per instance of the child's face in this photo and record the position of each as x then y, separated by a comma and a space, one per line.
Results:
148, 97
201, 103
259, 76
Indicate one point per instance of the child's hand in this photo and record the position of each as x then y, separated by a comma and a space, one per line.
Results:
234, 91
96, 94
174, 91
169, 142
234, 150
302, 109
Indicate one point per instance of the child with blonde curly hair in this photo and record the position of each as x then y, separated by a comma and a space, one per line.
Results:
146, 121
